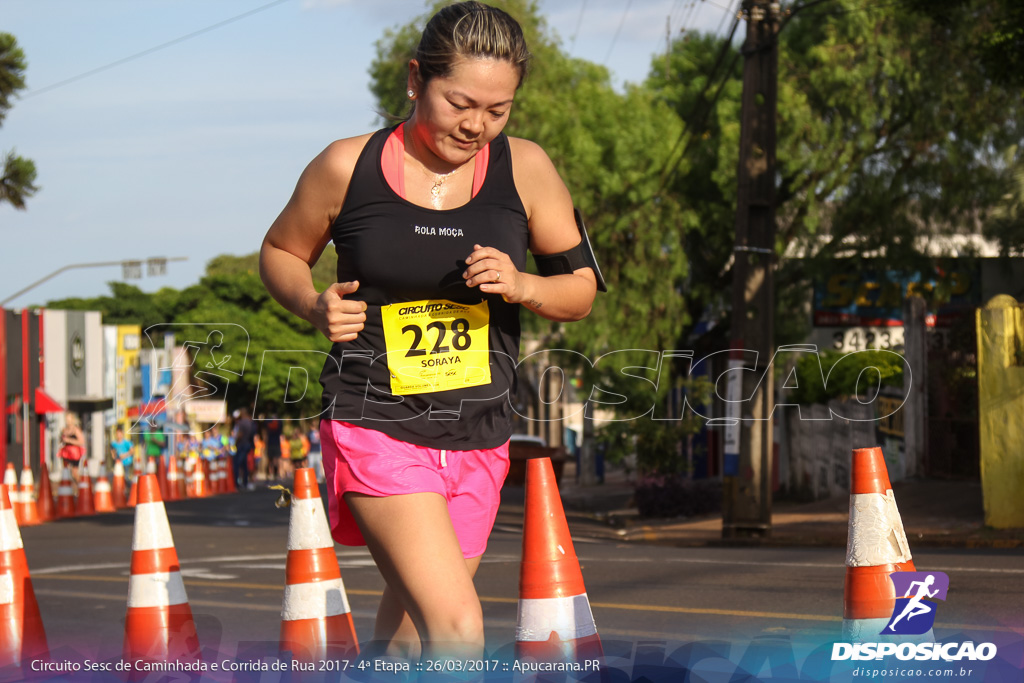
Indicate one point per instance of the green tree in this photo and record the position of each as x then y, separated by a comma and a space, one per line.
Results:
996, 29
241, 298
129, 305
324, 272
19, 174
1006, 221
229, 292
883, 140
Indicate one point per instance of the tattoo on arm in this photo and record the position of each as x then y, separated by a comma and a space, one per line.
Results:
535, 303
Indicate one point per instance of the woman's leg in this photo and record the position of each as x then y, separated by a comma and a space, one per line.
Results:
394, 632
414, 545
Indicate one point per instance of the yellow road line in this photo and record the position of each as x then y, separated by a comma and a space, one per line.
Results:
671, 609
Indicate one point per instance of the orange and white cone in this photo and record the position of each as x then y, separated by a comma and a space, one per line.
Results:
65, 495
221, 474
212, 476
29, 511
85, 505
103, 498
190, 478
173, 481
161, 477
199, 488
117, 489
183, 482
876, 547
22, 637
11, 484
554, 621
229, 469
133, 495
45, 504
316, 622
159, 624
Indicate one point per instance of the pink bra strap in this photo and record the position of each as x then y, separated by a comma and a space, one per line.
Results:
392, 162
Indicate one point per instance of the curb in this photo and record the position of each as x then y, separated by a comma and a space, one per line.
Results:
615, 526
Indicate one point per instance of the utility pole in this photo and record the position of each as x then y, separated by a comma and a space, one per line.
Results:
747, 468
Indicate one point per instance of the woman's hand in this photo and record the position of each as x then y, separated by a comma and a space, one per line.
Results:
338, 318
494, 273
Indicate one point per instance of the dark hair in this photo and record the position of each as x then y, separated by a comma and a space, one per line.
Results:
470, 29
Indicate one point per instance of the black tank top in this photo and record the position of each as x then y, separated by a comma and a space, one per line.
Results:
435, 362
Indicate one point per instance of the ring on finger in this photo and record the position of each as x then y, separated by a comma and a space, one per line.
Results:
498, 276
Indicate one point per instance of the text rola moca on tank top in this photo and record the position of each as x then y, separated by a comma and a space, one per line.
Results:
435, 364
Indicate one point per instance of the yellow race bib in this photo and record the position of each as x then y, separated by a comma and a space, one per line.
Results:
436, 345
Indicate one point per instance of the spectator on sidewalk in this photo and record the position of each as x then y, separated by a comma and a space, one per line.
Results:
121, 449
243, 433
72, 444
273, 430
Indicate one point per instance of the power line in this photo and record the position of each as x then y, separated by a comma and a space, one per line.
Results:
617, 31
728, 12
690, 122
673, 11
690, 15
137, 55
679, 12
579, 22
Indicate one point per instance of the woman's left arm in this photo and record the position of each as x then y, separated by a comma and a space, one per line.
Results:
552, 230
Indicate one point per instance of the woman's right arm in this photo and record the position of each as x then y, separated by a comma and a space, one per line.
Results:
296, 239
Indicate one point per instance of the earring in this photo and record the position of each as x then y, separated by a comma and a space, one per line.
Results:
411, 93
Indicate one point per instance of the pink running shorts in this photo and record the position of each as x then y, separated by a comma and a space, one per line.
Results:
367, 461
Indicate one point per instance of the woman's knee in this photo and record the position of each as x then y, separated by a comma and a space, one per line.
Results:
464, 625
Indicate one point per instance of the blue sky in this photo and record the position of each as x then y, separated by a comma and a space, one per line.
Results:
192, 150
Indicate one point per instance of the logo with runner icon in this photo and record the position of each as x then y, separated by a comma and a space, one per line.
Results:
916, 593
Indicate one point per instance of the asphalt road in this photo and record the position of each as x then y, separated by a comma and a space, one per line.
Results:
232, 554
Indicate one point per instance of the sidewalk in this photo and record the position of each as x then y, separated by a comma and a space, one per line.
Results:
935, 514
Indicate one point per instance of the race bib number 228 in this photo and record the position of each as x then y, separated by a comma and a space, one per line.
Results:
436, 345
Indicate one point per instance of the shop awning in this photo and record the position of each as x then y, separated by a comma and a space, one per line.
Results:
46, 403
89, 404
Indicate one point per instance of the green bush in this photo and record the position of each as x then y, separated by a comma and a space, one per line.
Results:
846, 374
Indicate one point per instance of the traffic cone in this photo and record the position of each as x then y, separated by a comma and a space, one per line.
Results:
876, 547
316, 622
199, 489
65, 495
159, 624
212, 477
217, 465
85, 504
183, 483
173, 477
117, 494
29, 510
11, 484
45, 506
22, 637
133, 495
554, 622
229, 466
190, 478
161, 477
103, 499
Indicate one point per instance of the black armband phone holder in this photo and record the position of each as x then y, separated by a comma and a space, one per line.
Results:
565, 262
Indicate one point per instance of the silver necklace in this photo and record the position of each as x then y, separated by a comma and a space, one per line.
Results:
435, 189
